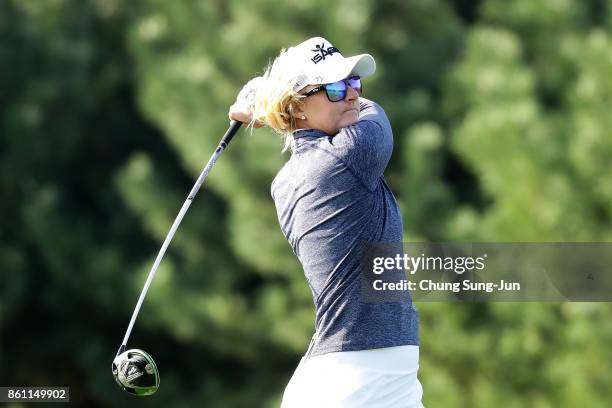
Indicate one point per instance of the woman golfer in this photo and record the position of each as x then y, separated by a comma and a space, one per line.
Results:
331, 199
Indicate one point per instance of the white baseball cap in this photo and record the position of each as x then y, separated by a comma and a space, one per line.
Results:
316, 61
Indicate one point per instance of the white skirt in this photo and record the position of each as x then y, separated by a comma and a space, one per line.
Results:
385, 378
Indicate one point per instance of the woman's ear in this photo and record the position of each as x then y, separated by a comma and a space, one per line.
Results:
295, 111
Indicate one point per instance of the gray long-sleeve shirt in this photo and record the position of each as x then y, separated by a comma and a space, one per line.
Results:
331, 198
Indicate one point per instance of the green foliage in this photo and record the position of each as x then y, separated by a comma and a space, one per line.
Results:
109, 110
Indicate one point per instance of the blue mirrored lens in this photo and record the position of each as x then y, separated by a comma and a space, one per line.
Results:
336, 91
355, 83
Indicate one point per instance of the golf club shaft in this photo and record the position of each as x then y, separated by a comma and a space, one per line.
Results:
229, 134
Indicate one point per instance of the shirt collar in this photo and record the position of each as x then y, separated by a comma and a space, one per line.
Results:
308, 132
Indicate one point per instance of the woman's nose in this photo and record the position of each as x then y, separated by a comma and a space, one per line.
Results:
351, 93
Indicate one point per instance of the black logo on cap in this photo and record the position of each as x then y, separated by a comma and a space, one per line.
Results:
321, 52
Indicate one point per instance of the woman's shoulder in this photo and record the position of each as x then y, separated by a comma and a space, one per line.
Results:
372, 111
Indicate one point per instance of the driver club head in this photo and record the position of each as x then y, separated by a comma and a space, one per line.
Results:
136, 372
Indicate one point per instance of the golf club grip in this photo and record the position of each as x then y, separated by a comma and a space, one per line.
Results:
229, 134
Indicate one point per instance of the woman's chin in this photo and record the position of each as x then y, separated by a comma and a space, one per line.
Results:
350, 119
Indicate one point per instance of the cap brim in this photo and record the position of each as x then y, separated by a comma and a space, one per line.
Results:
362, 65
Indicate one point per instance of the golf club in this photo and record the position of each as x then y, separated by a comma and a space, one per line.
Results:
134, 370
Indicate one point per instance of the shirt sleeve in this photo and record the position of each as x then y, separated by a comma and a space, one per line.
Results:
366, 146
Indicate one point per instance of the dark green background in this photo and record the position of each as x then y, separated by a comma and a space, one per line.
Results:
109, 109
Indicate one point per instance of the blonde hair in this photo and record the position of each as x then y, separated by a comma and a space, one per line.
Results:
275, 98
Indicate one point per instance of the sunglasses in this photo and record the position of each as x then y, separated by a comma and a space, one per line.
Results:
336, 91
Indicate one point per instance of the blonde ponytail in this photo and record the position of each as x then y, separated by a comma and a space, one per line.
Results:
275, 98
